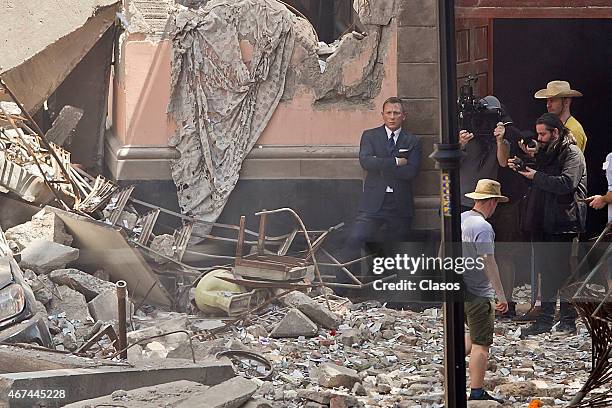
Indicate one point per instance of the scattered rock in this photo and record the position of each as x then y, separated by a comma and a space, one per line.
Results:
82, 282
164, 244
333, 375
317, 312
41, 286
359, 389
71, 304
350, 337
295, 324
232, 393
45, 225
518, 389
105, 307
483, 404
43, 256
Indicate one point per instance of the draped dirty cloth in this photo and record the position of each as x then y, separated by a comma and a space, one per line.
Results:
221, 104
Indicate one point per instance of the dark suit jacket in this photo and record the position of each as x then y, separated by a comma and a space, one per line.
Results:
382, 170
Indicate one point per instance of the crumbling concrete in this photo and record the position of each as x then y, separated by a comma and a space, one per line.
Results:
232, 393
333, 375
51, 43
87, 284
41, 286
104, 380
167, 394
164, 244
317, 312
43, 256
295, 324
104, 307
17, 359
173, 323
43, 225
70, 302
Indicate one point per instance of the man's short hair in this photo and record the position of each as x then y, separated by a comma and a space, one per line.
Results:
393, 100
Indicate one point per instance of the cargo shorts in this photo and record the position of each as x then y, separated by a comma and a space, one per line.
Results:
480, 316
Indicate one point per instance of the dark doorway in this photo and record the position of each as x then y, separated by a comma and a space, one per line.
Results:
527, 53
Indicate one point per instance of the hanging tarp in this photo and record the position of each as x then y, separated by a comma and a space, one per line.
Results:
228, 75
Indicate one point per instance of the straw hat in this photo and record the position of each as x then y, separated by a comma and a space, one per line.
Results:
486, 188
557, 89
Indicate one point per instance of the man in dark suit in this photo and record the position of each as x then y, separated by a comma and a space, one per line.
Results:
391, 157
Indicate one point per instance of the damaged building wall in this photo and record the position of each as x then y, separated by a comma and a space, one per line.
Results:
86, 88
311, 139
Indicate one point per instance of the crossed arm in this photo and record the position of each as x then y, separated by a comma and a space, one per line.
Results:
399, 168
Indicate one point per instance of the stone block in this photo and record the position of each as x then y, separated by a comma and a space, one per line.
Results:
422, 118
333, 375
82, 282
483, 404
295, 324
418, 13
44, 225
518, 389
232, 393
70, 302
418, 80
105, 307
100, 381
417, 44
43, 256
315, 311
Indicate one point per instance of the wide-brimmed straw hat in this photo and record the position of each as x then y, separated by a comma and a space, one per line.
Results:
486, 188
557, 89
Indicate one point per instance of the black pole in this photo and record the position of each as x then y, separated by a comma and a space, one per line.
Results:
448, 155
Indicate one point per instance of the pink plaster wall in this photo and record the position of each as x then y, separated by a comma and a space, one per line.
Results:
296, 123
142, 91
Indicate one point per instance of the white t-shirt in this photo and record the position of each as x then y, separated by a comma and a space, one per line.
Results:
478, 239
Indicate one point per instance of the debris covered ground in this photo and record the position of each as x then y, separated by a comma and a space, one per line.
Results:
355, 355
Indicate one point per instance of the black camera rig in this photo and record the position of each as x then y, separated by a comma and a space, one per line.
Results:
474, 114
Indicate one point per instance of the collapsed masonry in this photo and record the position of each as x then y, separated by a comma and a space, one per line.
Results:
234, 62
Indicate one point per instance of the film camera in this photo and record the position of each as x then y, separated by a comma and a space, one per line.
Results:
479, 115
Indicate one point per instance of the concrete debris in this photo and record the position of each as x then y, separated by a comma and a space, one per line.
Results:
317, 312
164, 244
518, 389
70, 304
258, 403
483, 404
44, 256
104, 306
44, 225
333, 375
295, 324
41, 285
146, 397
82, 282
232, 393
106, 380
161, 325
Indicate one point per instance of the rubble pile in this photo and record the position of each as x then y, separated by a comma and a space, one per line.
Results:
297, 351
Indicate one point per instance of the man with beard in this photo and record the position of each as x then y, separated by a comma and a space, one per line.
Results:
556, 212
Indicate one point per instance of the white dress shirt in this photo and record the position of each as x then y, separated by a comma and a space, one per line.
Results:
395, 136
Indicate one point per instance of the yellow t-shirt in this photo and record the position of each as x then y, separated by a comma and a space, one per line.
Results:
576, 128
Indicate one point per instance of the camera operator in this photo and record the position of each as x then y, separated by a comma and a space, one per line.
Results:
555, 213
486, 156
479, 144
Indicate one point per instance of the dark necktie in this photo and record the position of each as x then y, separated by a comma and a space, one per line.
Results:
391, 144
